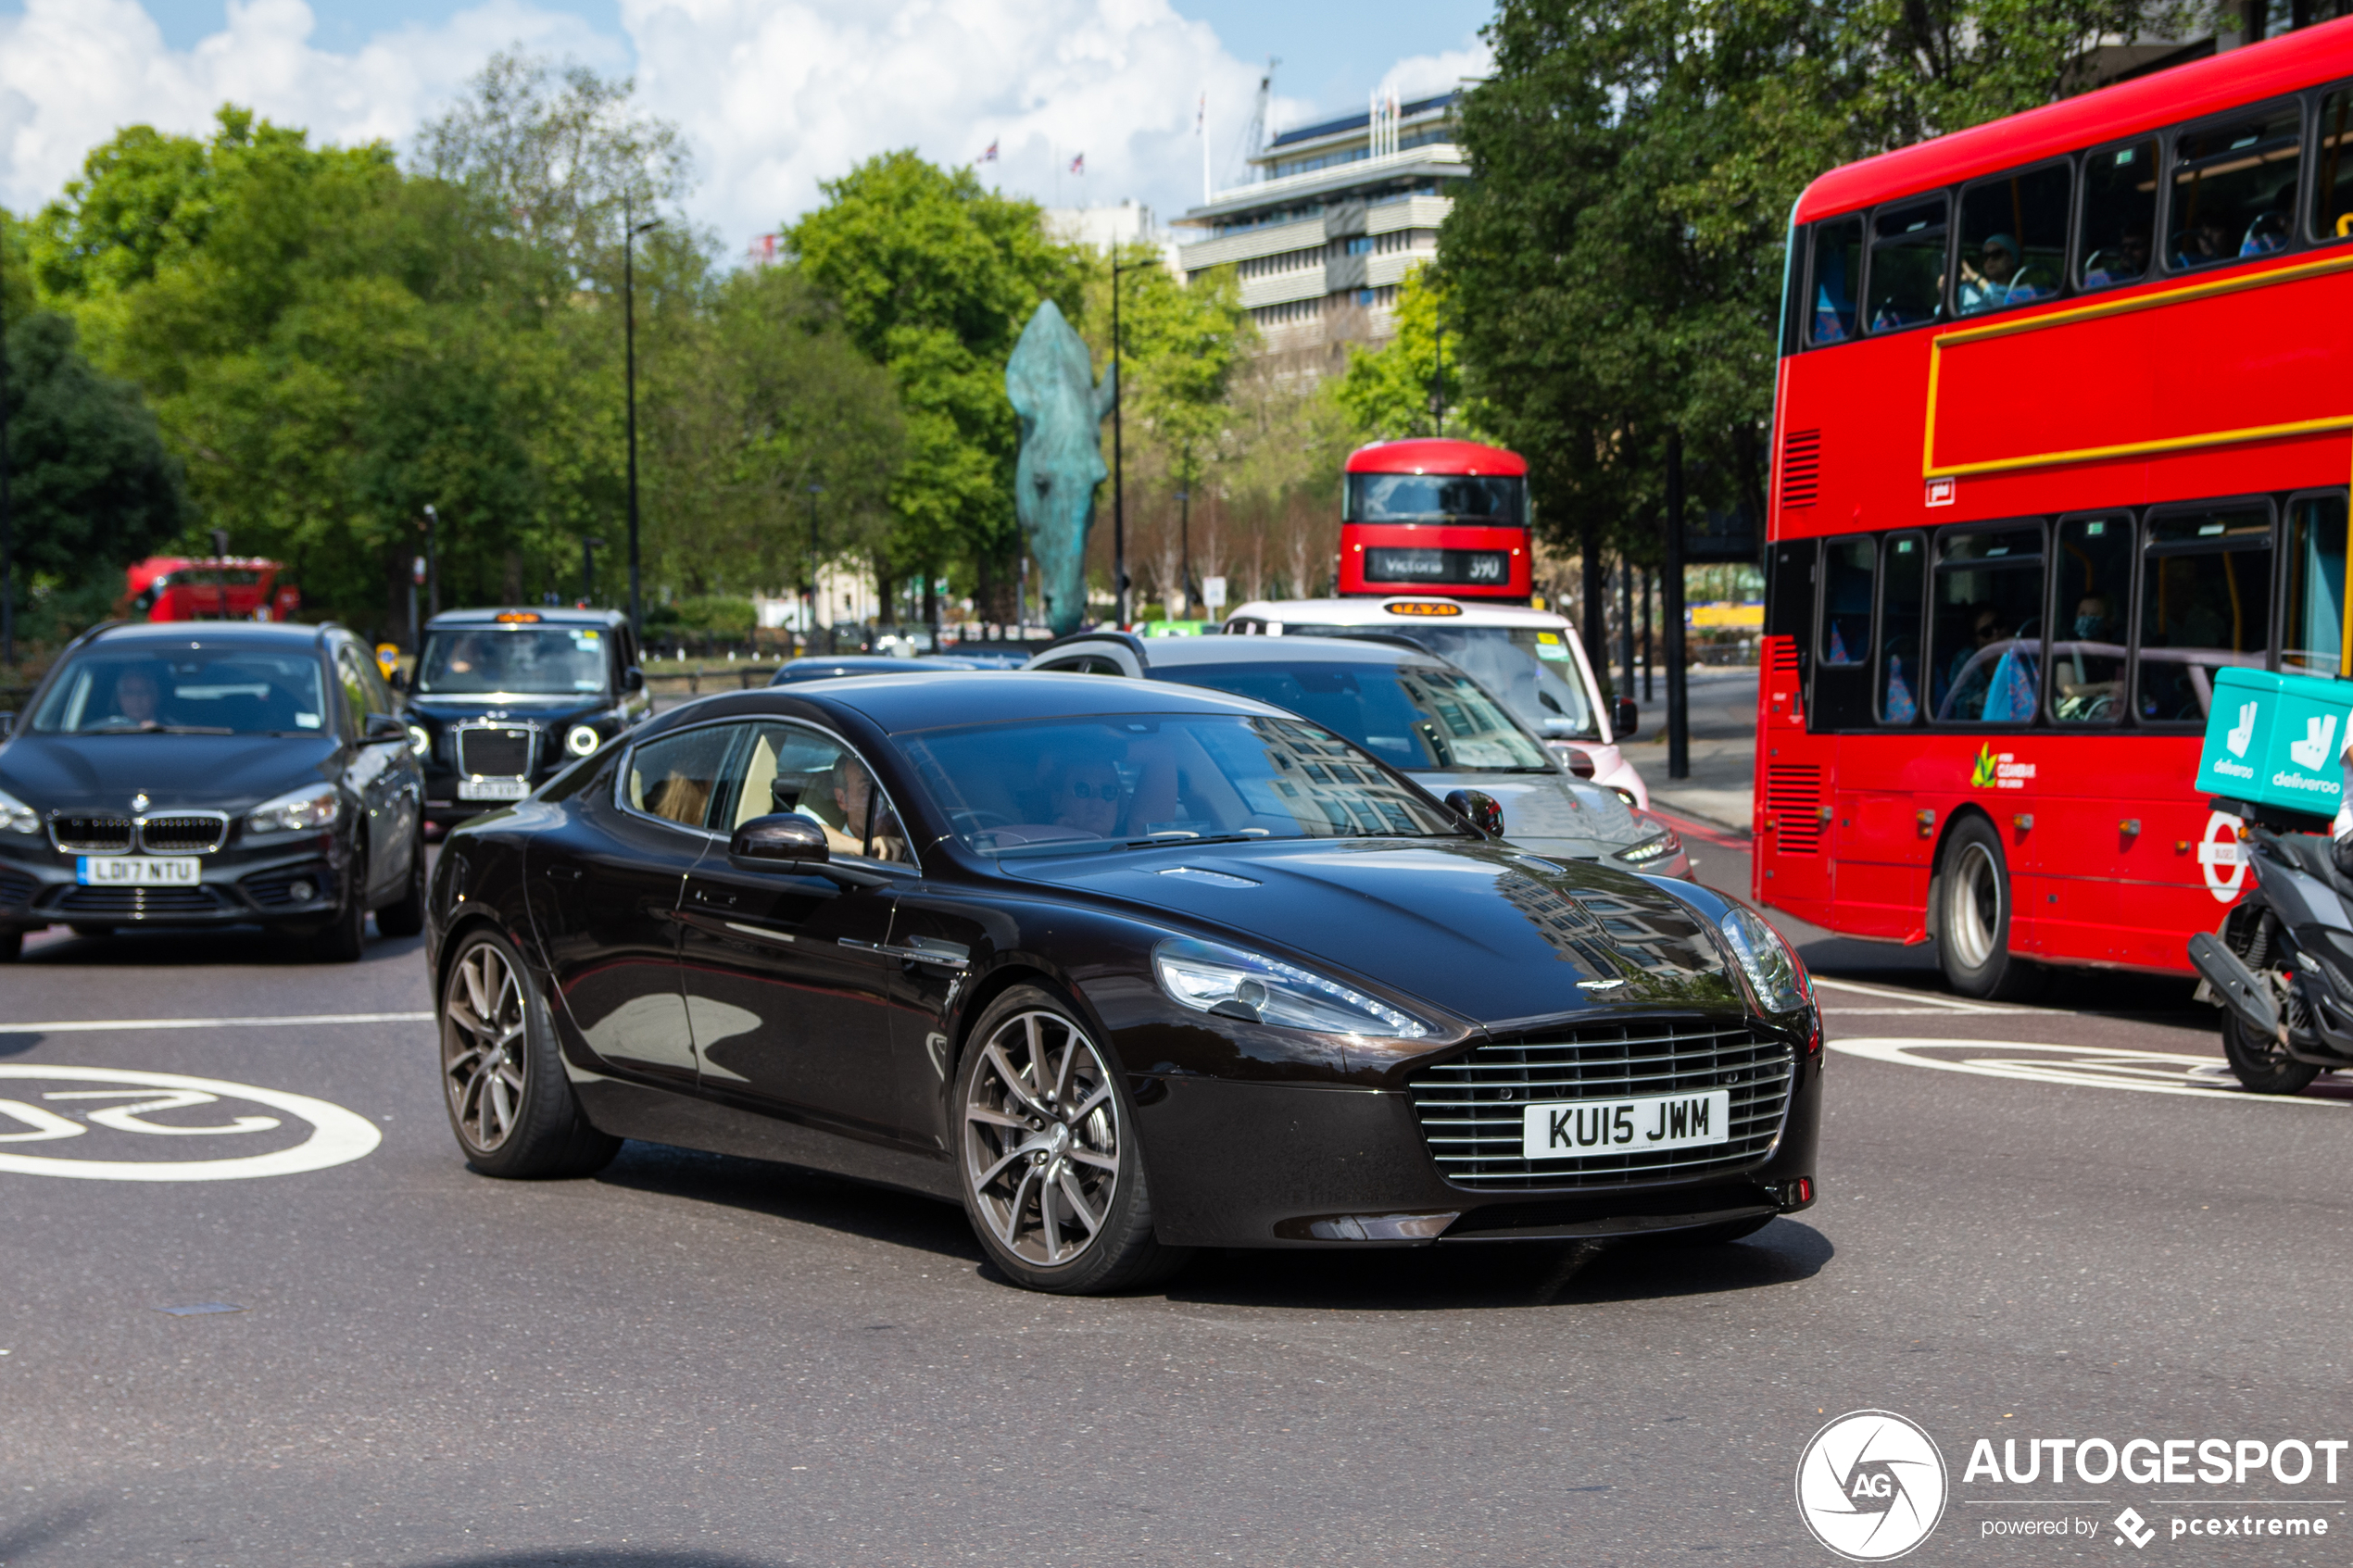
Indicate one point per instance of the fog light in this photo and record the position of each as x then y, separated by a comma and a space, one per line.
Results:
302, 890
582, 740
1798, 1194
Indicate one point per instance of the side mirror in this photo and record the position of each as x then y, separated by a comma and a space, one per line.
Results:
1624, 718
780, 840
633, 679
1478, 809
383, 727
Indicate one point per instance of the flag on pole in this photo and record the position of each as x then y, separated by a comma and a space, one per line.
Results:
1201, 115
1078, 163
990, 155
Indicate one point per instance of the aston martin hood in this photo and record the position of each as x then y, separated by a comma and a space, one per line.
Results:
1482, 932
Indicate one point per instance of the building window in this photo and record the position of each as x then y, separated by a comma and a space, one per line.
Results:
1289, 313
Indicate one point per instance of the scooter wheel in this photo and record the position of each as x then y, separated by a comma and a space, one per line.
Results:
2263, 1065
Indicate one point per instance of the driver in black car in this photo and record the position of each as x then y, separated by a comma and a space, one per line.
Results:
137, 694
1083, 795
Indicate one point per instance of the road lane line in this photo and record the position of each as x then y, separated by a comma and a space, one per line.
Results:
104, 1026
2097, 1067
1942, 1004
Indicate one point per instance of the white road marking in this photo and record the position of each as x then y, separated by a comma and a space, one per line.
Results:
2148, 1073
336, 1136
1919, 998
277, 1021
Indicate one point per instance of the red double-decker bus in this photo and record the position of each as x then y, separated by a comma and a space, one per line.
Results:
1435, 516
2058, 434
209, 588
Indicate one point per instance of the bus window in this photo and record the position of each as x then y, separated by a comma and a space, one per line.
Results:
1846, 600
2235, 188
2205, 602
1987, 626
2094, 565
1838, 271
2013, 240
1899, 628
2120, 214
1907, 265
2333, 202
2314, 637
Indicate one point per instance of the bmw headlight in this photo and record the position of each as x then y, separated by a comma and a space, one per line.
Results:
1658, 846
16, 816
1770, 964
1211, 977
582, 740
301, 811
419, 740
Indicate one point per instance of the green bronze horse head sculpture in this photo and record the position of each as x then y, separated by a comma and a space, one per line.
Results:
1051, 379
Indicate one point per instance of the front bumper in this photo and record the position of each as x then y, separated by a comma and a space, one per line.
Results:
1235, 1164
238, 885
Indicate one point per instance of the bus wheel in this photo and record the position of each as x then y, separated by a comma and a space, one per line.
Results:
1973, 918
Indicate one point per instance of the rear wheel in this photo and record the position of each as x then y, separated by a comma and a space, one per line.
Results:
346, 937
2263, 1065
1973, 918
502, 1073
407, 917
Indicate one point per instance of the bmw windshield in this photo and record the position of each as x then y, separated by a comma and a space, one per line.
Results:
190, 689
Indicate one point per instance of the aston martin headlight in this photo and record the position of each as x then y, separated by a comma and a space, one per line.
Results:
301, 811
1772, 964
16, 816
1211, 977
419, 740
1658, 845
582, 740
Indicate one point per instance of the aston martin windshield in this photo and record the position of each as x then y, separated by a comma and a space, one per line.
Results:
1142, 778
191, 688
1413, 717
529, 661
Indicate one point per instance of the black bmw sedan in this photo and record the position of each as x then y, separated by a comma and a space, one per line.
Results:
1124, 969
189, 773
502, 699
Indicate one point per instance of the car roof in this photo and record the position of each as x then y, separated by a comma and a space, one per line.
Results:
1178, 653
940, 699
1376, 613
541, 616
250, 634
827, 666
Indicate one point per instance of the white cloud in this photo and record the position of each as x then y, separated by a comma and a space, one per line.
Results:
773, 96
1421, 76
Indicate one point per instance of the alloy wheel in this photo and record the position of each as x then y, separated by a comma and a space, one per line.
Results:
1975, 925
1042, 1138
483, 1046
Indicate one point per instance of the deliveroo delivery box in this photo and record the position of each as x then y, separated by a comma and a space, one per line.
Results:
2275, 739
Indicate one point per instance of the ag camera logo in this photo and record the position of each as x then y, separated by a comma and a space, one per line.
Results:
1871, 1486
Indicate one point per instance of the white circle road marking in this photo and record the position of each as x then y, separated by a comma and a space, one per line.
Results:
337, 1137
2148, 1073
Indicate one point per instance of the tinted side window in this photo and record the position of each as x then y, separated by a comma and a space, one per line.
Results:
2333, 191
2205, 602
1837, 280
2013, 240
2120, 214
356, 699
783, 768
2314, 590
1899, 628
1987, 626
1847, 569
1789, 592
676, 777
2094, 563
1907, 265
2235, 188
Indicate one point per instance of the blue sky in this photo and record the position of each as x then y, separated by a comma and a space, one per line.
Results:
772, 98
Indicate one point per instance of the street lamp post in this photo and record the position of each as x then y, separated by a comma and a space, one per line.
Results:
816, 490
589, 548
1118, 467
1438, 384
1185, 543
8, 535
432, 564
630, 229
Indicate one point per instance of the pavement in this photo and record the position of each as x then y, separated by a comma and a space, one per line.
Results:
1723, 749
2034, 1223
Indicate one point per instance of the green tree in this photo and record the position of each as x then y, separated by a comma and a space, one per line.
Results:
1387, 390
934, 277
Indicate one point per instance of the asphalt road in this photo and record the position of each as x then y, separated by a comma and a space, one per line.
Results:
693, 1360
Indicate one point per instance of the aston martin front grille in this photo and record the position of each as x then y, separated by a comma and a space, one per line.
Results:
89, 834
500, 753
1472, 1108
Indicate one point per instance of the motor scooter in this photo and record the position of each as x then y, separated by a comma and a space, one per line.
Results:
2282, 963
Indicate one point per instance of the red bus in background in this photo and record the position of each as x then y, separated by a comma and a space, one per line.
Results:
2059, 429
212, 588
1435, 516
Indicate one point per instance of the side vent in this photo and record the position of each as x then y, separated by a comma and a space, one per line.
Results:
1794, 795
1801, 467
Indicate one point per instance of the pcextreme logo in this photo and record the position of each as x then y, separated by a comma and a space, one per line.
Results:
1870, 1486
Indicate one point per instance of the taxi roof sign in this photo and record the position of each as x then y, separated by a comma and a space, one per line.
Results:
517, 617
1425, 607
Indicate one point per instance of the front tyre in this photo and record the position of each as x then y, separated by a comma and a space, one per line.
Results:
2261, 1064
407, 917
502, 1075
346, 936
1973, 918
1051, 1175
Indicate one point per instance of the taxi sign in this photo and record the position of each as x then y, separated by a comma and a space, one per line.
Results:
1425, 607
518, 618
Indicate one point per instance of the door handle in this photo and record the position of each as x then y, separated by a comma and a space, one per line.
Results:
723, 900
563, 873
953, 957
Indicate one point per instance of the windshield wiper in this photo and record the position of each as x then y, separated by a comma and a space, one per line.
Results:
152, 728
